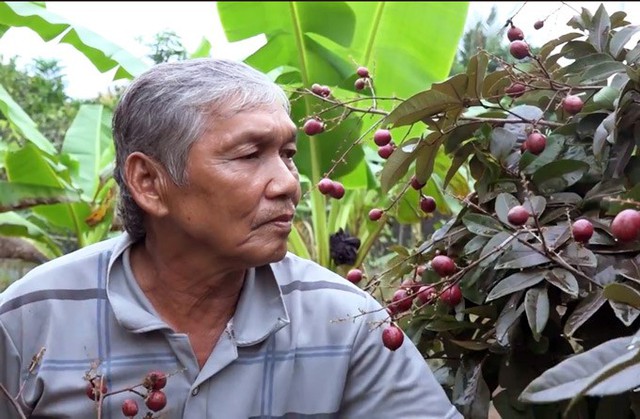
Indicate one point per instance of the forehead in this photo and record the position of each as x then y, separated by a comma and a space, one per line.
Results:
252, 125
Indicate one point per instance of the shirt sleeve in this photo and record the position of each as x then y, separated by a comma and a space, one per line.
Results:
391, 384
9, 374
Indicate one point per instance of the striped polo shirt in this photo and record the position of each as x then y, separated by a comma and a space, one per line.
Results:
302, 343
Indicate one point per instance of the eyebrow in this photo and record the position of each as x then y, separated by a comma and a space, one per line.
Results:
255, 137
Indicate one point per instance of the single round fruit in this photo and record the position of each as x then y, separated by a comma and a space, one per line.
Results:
443, 265
360, 84
536, 143
155, 380
401, 300
626, 225
325, 92
411, 285
316, 89
325, 186
515, 90
515, 34
519, 49
363, 72
375, 214
156, 400
518, 215
386, 151
416, 184
427, 204
382, 137
420, 270
392, 337
354, 276
451, 296
582, 230
572, 104
313, 127
338, 190
538, 25
93, 392
130, 408
426, 294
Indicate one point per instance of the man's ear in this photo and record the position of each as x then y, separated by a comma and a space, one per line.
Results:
147, 182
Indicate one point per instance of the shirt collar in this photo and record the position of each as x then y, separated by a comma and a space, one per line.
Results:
260, 312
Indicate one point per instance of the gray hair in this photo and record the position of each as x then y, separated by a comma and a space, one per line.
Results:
164, 111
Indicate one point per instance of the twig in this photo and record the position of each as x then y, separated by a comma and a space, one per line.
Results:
13, 401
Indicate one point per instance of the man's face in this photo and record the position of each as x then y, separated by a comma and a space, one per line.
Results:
242, 190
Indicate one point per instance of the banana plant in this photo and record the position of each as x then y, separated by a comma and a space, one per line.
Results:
406, 46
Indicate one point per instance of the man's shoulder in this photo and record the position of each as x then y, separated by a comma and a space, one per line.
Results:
295, 273
77, 269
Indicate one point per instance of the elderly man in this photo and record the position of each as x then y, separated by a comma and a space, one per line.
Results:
198, 311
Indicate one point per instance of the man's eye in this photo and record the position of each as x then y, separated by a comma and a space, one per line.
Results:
289, 153
251, 156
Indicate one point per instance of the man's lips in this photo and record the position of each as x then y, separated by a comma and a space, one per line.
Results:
282, 218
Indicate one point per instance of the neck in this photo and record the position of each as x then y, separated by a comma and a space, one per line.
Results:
190, 291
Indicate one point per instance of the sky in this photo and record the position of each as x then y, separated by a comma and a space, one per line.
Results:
125, 23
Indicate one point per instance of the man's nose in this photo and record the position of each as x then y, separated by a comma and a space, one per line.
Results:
284, 181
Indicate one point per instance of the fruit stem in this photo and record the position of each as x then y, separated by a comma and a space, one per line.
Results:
318, 215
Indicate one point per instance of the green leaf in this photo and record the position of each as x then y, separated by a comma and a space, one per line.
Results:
476, 70
22, 122
579, 255
622, 293
508, 318
12, 224
559, 175
535, 205
16, 196
599, 30
564, 280
442, 97
621, 38
555, 144
471, 345
31, 166
494, 85
576, 49
604, 133
103, 54
536, 306
86, 141
427, 155
574, 374
471, 394
410, 45
502, 143
495, 247
482, 225
460, 158
521, 257
515, 282
624, 312
398, 164
548, 47
504, 202
583, 311
584, 62
606, 97
203, 49
602, 71
475, 244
